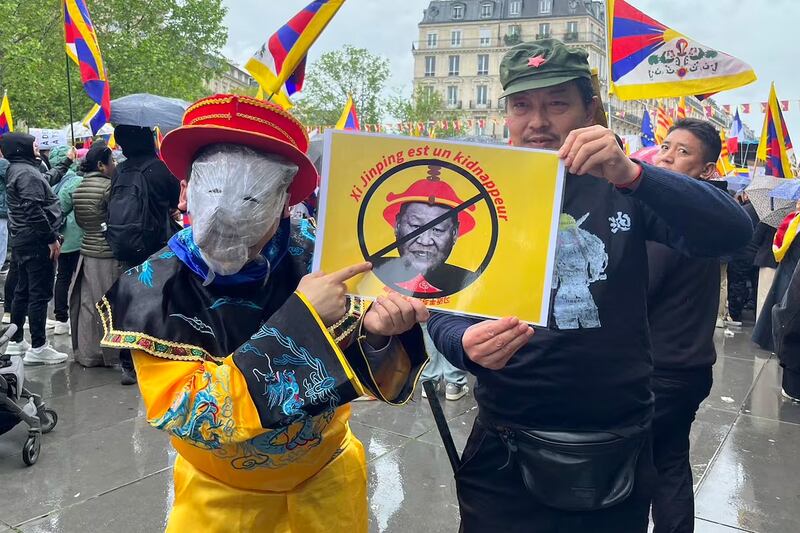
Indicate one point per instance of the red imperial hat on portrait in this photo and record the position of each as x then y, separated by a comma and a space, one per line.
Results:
234, 119
432, 191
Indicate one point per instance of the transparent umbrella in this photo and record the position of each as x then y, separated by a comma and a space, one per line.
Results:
770, 210
148, 111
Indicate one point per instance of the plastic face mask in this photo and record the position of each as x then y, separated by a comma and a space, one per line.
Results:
235, 196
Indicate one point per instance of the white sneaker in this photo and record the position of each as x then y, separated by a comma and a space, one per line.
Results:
786, 395
454, 391
62, 328
48, 325
46, 355
720, 323
18, 348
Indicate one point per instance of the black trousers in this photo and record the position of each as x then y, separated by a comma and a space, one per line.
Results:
67, 264
493, 498
678, 396
11, 284
35, 271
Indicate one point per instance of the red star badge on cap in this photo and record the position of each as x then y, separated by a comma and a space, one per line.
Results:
537, 61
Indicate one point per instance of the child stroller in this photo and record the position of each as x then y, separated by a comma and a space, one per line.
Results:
32, 411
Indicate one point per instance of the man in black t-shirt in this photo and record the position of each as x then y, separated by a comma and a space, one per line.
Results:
683, 297
583, 383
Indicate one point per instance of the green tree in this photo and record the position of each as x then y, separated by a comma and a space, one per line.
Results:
167, 47
335, 76
424, 106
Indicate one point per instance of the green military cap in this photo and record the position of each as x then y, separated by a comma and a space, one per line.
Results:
541, 64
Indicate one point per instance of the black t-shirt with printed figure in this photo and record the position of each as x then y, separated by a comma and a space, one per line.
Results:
590, 369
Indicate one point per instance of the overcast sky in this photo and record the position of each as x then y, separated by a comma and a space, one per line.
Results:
760, 32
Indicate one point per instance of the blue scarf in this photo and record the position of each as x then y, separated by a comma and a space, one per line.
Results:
182, 243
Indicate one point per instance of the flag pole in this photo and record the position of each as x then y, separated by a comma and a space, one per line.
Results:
69, 95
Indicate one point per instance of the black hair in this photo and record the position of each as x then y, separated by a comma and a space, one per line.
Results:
586, 89
705, 132
98, 153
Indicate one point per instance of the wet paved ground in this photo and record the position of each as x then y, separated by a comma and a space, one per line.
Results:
104, 469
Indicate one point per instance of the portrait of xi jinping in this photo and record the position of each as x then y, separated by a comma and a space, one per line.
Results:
424, 248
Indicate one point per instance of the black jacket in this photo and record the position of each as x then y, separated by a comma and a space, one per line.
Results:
786, 317
34, 213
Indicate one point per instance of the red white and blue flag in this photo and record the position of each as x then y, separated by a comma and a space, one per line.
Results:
280, 63
83, 48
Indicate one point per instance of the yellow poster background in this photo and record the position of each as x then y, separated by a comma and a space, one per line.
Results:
520, 189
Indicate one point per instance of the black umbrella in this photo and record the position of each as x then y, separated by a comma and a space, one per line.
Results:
148, 111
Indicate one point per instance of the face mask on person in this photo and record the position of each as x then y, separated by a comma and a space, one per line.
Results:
236, 197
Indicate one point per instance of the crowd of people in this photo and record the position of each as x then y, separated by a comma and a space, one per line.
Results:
54, 212
248, 362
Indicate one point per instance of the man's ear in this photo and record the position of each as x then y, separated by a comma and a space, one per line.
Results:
708, 171
182, 199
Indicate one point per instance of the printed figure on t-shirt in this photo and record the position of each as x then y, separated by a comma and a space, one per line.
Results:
580, 261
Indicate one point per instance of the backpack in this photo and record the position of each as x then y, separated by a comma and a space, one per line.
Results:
133, 230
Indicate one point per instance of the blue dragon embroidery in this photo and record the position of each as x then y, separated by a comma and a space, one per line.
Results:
196, 323
200, 421
166, 255
239, 302
145, 271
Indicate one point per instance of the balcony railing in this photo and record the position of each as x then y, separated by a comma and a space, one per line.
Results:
474, 104
455, 105
509, 40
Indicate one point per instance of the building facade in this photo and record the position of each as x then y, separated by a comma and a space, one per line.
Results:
461, 43
232, 80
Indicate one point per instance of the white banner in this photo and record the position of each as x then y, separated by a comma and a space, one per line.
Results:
49, 139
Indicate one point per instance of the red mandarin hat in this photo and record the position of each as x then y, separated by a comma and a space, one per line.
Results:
432, 191
234, 119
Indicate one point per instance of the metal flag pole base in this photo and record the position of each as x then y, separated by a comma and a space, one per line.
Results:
441, 425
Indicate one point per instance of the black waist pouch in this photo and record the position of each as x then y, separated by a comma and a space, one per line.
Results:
575, 471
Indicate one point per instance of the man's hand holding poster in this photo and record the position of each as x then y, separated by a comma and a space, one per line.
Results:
467, 228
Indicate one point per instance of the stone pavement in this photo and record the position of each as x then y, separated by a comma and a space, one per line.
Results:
103, 469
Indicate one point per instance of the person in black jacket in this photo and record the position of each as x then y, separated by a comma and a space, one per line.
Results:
34, 218
562, 441
682, 304
139, 148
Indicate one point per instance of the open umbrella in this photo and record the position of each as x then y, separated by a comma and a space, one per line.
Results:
787, 191
737, 183
770, 210
148, 111
647, 155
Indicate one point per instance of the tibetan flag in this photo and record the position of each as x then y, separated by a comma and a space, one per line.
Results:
785, 236
279, 98
650, 60
159, 138
83, 48
6, 121
349, 119
281, 61
682, 108
663, 124
775, 148
741, 172
648, 135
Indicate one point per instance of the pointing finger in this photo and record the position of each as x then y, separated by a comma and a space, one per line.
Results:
349, 272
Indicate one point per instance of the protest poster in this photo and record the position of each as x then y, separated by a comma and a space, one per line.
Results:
48, 139
467, 228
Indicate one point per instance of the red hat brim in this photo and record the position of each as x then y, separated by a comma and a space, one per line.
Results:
181, 146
